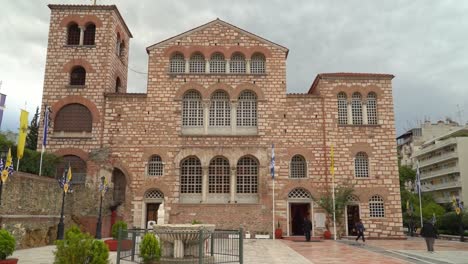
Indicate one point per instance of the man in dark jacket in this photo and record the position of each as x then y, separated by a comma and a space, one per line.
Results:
360, 230
429, 233
307, 228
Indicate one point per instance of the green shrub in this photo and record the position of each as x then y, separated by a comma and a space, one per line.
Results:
79, 248
7, 244
150, 250
450, 222
115, 230
196, 222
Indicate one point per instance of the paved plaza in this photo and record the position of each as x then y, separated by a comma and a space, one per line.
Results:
327, 252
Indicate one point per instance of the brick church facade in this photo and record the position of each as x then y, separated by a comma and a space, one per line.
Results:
197, 145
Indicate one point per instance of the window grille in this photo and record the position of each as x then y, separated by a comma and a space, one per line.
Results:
73, 118
247, 175
376, 206
73, 37
78, 166
356, 106
120, 185
155, 166
78, 76
217, 63
352, 199
220, 109
372, 109
89, 34
219, 176
197, 63
192, 109
121, 49
117, 45
247, 109
177, 64
237, 63
257, 63
299, 193
361, 165
298, 167
342, 109
191, 176
154, 194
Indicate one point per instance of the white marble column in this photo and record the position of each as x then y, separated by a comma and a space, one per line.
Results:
206, 116
247, 66
350, 114
187, 65
82, 30
364, 113
204, 184
232, 185
234, 117
228, 66
207, 66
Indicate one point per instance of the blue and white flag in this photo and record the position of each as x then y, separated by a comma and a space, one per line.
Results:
418, 179
272, 164
46, 127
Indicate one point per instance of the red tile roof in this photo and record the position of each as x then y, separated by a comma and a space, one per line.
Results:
350, 75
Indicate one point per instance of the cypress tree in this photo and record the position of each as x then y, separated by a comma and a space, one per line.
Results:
31, 138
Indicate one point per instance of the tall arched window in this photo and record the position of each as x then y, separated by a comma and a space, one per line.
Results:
120, 185
247, 175
298, 167
361, 165
155, 166
372, 108
191, 176
257, 63
197, 63
177, 63
376, 206
220, 109
118, 85
122, 49
356, 106
217, 63
73, 118
247, 109
78, 168
117, 45
237, 63
78, 76
219, 176
89, 34
73, 34
342, 109
192, 109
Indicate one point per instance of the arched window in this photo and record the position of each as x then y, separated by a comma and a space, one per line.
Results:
372, 108
220, 109
219, 176
197, 63
257, 63
73, 34
352, 199
122, 49
118, 85
361, 165
153, 194
356, 106
177, 63
89, 34
237, 63
342, 109
117, 45
73, 118
299, 193
191, 176
298, 167
376, 206
155, 166
217, 63
120, 185
247, 175
192, 109
247, 109
78, 168
78, 76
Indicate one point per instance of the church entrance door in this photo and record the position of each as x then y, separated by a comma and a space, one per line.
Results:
152, 212
298, 211
352, 217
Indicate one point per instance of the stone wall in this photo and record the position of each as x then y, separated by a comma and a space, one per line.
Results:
31, 207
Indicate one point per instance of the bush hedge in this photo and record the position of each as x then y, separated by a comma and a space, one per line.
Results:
7, 244
150, 250
115, 230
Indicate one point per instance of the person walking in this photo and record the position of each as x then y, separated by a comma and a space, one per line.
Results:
429, 232
360, 230
307, 227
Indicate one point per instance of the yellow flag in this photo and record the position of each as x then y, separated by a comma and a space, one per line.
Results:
23, 131
332, 164
69, 174
7, 164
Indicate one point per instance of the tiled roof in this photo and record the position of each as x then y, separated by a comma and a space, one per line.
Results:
350, 75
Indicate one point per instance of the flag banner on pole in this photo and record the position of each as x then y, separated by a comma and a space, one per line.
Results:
7, 167
46, 127
23, 131
2, 106
332, 162
418, 179
272, 164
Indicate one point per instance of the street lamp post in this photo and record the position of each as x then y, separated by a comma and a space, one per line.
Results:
65, 185
61, 225
102, 192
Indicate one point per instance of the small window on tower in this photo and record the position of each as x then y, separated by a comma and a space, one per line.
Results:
78, 76
89, 34
73, 37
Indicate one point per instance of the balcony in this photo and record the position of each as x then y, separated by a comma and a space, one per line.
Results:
436, 146
442, 186
441, 172
437, 159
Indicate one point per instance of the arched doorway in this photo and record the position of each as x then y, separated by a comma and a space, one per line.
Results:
153, 207
352, 214
300, 206
120, 186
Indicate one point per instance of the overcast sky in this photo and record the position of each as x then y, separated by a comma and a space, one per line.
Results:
423, 43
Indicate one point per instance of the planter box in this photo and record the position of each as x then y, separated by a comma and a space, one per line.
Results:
113, 243
257, 236
9, 261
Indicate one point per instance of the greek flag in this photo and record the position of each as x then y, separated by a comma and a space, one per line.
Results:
46, 126
272, 164
418, 179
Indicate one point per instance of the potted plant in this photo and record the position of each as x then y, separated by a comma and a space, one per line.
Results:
125, 244
278, 231
150, 250
7, 246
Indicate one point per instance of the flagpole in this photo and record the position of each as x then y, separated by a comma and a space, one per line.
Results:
44, 136
420, 207
273, 233
17, 165
333, 191
40, 164
418, 184
273, 192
